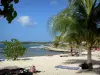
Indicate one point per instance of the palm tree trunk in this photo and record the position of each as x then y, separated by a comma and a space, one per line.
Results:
89, 59
89, 55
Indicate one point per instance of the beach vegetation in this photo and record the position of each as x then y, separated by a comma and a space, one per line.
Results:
13, 49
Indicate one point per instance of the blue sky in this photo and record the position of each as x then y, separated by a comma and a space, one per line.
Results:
31, 21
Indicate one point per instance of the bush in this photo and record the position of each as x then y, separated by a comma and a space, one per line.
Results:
13, 49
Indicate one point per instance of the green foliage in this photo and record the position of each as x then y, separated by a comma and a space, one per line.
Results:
55, 44
13, 49
79, 22
7, 9
16, 1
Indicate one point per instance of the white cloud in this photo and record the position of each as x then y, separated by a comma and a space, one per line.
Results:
54, 2
26, 21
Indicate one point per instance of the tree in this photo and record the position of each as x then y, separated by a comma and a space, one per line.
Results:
56, 41
13, 49
66, 26
79, 22
7, 9
87, 14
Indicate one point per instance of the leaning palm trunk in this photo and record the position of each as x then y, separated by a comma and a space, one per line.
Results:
71, 50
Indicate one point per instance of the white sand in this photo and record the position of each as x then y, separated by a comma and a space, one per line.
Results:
47, 64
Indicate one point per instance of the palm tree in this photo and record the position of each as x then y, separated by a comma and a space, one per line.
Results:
86, 12
79, 21
56, 41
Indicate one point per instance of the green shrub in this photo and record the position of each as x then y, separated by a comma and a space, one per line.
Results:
13, 49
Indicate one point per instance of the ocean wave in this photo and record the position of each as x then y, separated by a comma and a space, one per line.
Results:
37, 46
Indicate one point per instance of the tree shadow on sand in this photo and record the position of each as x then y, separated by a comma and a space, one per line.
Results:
10, 70
14, 70
24, 59
80, 61
94, 71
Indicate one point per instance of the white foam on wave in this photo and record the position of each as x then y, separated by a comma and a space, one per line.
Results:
42, 46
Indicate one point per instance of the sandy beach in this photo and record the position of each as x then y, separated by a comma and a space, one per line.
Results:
46, 64
50, 48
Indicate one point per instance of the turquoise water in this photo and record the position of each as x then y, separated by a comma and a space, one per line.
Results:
33, 50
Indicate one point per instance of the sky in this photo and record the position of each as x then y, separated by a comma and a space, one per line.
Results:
31, 21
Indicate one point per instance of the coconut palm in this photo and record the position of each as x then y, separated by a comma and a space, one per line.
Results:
79, 21
56, 41
86, 12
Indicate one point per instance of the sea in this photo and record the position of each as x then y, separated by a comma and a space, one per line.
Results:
33, 50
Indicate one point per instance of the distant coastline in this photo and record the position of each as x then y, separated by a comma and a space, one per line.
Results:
32, 42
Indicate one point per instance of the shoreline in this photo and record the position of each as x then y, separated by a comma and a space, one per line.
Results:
55, 49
